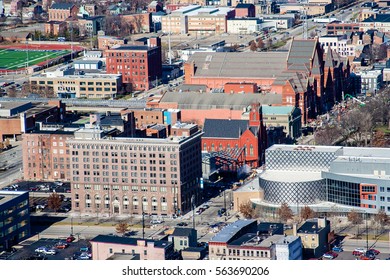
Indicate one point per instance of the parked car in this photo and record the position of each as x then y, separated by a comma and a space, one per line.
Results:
61, 245
155, 222
373, 251
182, 224
330, 255
70, 239
337, 249
33, 189
199, 211
51, 251
59, 183
358, 252
84, 256
42, 249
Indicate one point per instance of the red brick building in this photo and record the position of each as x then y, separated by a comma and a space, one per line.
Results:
244, 10
62, 11
46, 155
140, 66
249, 135
240, 88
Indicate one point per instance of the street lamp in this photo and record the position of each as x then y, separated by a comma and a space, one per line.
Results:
71, 225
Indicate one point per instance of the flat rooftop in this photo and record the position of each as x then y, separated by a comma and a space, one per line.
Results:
311, 148
6, 196
291, 176
8, 105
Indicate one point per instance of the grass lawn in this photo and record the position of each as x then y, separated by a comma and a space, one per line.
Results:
16, 59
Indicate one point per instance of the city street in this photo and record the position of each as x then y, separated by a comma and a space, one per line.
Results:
11, 160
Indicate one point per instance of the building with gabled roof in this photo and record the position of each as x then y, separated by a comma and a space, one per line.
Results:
62, 11
248, 135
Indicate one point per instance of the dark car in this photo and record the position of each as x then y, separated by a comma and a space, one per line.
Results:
373, 251
182, 224
70, 239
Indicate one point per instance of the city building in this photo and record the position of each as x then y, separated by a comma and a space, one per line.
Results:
289, 117
140, 66
46, 155
113, 176
66, 83
310, 9
340, 44
62, 11
55, 27
183, 238
196, 19
20, 117
14, 217
107, 42
242, 240
315, 235
380, 22
340, 28
105, 246
372, 81
90, 25
244, 10
196, 106
324, 178
243, 25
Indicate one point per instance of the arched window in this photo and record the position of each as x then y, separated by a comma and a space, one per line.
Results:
88, 196
220, 146
204, 147
212, 147
251, 150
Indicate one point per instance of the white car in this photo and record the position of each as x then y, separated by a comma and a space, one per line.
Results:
51, 252
41, 250
360, 250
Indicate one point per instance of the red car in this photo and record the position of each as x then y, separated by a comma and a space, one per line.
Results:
70, 239
357, 253
61, 245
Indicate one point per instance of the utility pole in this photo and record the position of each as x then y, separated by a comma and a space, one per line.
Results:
366, 214
169, 38
193, 210
143, 225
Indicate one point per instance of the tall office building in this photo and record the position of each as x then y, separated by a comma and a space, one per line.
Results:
122, 176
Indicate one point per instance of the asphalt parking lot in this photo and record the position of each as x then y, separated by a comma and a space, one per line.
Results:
27, 250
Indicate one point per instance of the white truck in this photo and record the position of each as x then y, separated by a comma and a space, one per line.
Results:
325, 20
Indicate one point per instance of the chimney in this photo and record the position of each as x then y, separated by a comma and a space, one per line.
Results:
321, 222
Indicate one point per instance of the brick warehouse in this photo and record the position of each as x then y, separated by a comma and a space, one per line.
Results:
119, 176
140, 66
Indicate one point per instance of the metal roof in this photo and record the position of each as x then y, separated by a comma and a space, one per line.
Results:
229, 231
207, 100
248, 65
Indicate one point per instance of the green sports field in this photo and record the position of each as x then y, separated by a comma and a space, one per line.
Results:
13, 59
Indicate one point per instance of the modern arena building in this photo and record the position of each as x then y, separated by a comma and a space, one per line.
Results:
325, 178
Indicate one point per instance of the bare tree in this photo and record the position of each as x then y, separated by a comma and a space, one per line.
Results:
355, 218
247, 210
285, 212
307, 213
253, 46
260, 43
382, 219
328, 135
121, 228
54, 202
